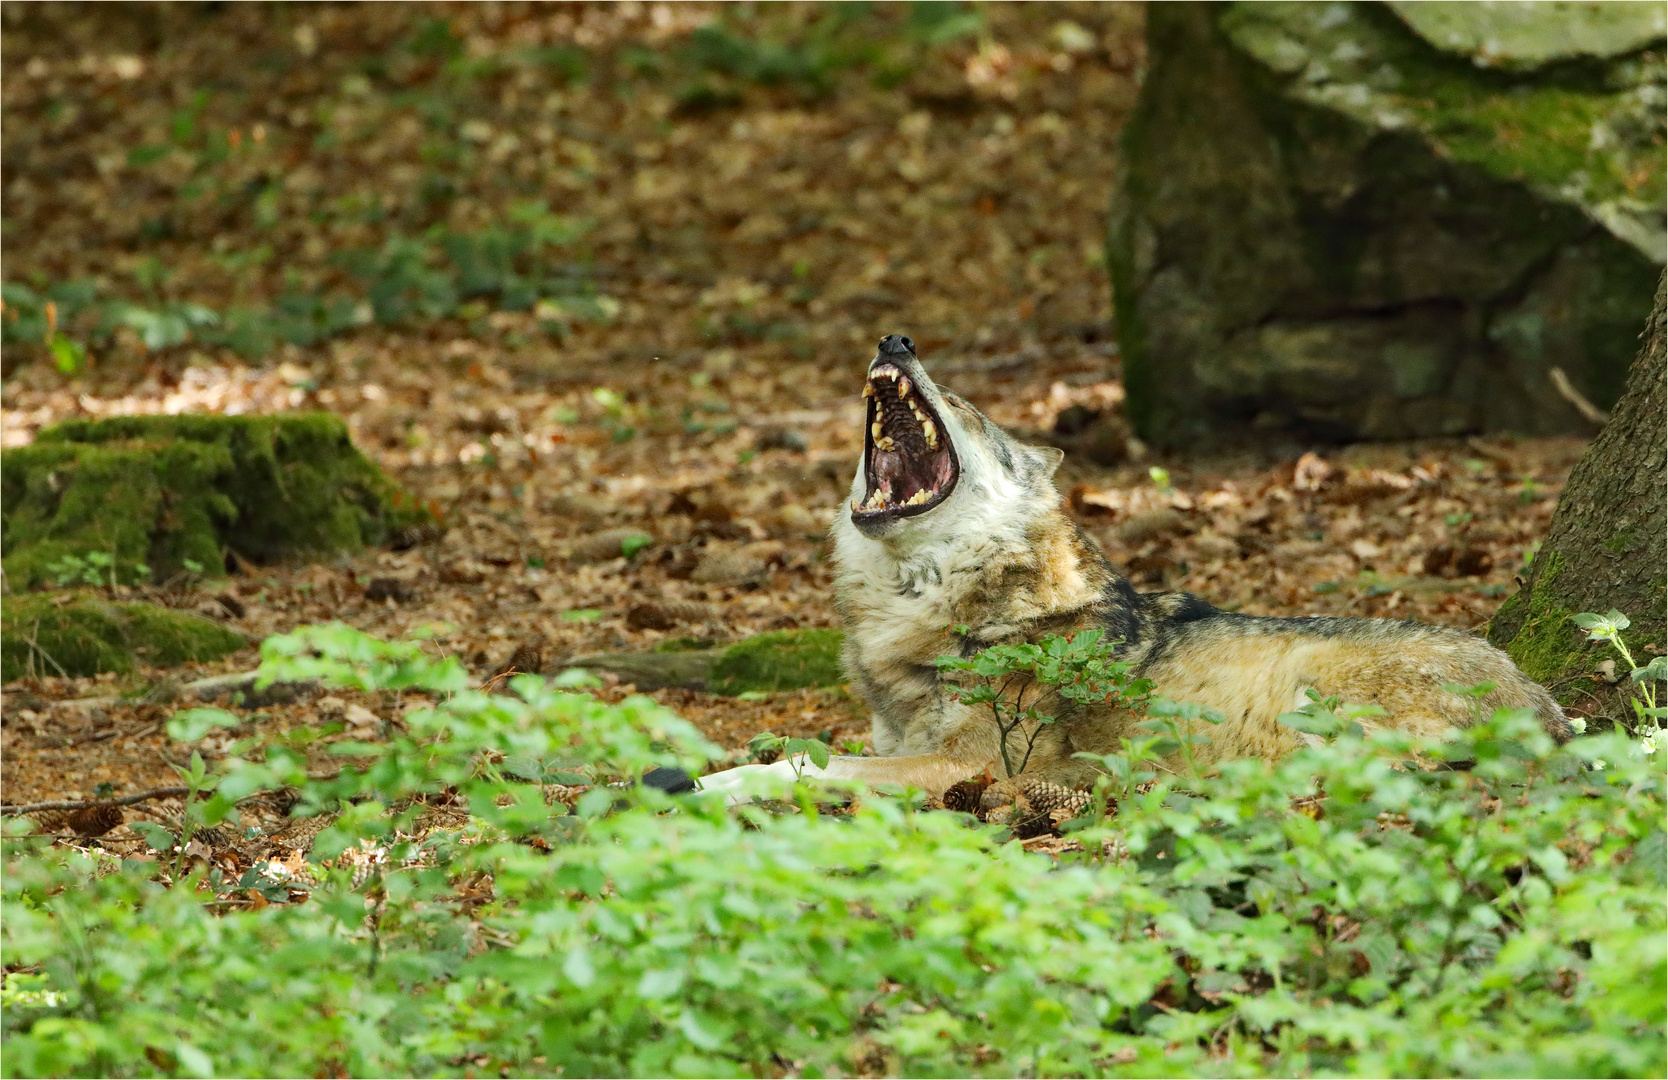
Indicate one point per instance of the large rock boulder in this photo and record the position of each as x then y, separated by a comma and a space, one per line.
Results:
1386, 220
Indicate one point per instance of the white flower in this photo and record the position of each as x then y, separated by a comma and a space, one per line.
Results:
1647, 745
1578, 725
1599, 764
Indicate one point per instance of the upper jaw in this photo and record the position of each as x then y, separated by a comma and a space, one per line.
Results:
909, 458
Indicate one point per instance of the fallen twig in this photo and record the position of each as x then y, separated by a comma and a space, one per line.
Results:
213, 687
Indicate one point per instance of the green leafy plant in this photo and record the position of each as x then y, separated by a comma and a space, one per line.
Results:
1080, 669
1342, 911
1649, 716
808, 56
796, 751
96, 568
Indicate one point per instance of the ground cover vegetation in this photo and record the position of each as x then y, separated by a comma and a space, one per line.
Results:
596, 284
489, 897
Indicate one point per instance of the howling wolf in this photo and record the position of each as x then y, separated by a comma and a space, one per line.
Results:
955, 540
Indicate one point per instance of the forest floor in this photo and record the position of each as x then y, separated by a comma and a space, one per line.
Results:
749, 232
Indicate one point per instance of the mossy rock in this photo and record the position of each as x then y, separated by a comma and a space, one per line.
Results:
159, 491
781, 660
1342, 221
764, 663
44, 635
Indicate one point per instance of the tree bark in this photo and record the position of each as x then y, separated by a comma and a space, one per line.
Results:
1607, 548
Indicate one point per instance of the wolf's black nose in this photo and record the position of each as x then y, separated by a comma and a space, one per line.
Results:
897, 343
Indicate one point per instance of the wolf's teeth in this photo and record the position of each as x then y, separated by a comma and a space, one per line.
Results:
931, 431
918, 498
885, 443
868, 390
877, 431
903, 386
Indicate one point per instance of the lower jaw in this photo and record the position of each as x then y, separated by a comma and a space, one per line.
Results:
878, 520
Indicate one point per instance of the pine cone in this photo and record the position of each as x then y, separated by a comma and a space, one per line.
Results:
528, 659
1049, 798
298, 833
415, 535
211, 838
1040, 807
95, 820
964, 795
50, 821
361, 874
566, 794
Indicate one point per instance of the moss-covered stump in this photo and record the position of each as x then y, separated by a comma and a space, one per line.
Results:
81, 634
1604, 550
1382, 221
764, 663
165, 493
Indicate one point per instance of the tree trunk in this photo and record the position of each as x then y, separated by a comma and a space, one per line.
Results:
1606, 549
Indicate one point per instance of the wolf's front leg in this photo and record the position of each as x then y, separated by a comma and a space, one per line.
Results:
931, 773
737, 782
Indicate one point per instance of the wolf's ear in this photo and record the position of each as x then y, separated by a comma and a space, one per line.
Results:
1046, 459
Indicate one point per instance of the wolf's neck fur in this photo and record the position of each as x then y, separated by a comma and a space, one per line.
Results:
999, 563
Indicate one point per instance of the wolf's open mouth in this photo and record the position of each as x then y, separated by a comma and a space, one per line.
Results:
908, 462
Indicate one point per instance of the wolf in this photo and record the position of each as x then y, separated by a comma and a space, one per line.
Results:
955, 539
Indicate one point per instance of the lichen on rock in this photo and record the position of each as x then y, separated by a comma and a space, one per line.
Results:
169, 492
77, 635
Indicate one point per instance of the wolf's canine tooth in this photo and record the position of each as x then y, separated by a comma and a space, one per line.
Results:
903, 386
877, 431
931, 431
868, 390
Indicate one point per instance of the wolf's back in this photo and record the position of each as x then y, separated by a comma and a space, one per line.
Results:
1258, 667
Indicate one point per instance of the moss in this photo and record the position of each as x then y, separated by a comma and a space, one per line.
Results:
1622, 542
159, 490
684, 644
88, 635
142, 501
1547, 646
781, 660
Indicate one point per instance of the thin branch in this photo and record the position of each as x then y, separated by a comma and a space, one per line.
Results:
171, 791
1566, 390
168, 792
